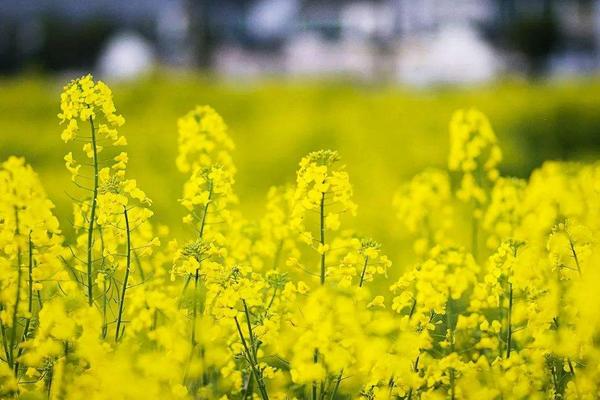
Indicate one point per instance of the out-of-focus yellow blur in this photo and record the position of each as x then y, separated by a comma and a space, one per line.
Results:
384, 134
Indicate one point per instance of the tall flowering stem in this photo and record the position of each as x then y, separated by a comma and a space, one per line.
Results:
322, 232
89, 101
474, 156
90, 234
127, 271
29, 300
13, 336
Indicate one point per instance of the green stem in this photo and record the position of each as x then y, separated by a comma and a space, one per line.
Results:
509, 321
4, 339
203, 221
575, 255
322, 226
364, 270
30, 302
200, 235
248, 389
127, 270
451, 324
250, 333
314, 384
272, 299
104, 306
13, 335
252, 361
571, 369
337, 385
90, 238
195, 306
39, 297
452, 384
139, 265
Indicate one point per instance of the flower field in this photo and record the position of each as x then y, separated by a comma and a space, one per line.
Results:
414, 267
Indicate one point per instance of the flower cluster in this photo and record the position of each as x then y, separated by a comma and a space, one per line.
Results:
474, 153
422, 205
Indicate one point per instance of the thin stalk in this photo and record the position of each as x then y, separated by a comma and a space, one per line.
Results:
272, 298
195, 306
249, 326
30, 277
571, 369
4, 339
39, 297
322, 226
127, 270
314, 384
90, 238
575, 256
200, 235
501, 309
337, 385
248, 388
452, 384
362, 275
154, 320
203, 221
322, 390
451, 325
104, 305
252, 362
509, 321
555, 383
13, 335
139, 265
29, 300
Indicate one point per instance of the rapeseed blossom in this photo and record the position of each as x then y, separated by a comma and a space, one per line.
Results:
296, 304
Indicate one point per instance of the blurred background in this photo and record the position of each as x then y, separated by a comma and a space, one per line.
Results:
401, 41
375, 79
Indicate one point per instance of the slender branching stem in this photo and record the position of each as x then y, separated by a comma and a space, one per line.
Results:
249, 326
509, 320
248, 388
104, 307
450, 321
127, 270
338, 381
200, 235
322, 241
252, 361
195, 306
314, 384
205, 211
272, 298
4, 338
90, 238
13, 336
29, 301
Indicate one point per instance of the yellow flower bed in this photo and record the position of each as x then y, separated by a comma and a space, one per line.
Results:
501, 303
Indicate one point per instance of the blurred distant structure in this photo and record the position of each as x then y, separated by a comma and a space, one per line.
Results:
413, 42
